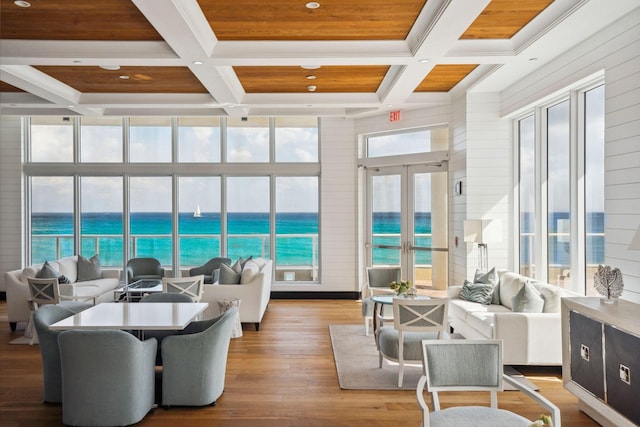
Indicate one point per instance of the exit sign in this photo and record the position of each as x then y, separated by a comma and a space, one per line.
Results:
394, 116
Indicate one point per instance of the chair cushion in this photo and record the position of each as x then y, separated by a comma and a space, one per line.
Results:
473, 416
527, 300
388, 340
89, 269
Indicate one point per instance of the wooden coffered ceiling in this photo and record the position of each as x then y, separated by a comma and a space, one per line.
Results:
255, 57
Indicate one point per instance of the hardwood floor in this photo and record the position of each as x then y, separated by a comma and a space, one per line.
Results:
283, 375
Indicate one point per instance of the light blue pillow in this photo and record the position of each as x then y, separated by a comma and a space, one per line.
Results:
477, 292
228, 276
47, 272
89, 269
490, 277
527, 300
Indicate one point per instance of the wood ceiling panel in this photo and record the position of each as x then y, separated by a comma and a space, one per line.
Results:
6, 87
291, 20
329, 79
502, 19
75, 20
141, 79
443, 78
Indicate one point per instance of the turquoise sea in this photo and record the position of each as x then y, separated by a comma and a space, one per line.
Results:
248, 234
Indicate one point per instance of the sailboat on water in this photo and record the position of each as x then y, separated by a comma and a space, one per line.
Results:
197, 213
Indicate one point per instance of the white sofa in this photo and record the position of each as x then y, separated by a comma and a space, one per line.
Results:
18, 290
528, 338
254, 292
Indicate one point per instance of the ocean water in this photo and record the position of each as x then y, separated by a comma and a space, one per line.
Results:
248, 234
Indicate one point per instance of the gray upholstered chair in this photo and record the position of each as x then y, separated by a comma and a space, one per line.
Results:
378, 280
414, 320
195, 361
160, 335
108, 377
470, 365
191, 286
51, 371
144, 268
210, 269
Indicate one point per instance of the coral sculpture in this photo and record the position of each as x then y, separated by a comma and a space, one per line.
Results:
608, 282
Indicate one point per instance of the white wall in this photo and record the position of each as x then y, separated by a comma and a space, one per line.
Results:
616, 49
11, 248
489, 172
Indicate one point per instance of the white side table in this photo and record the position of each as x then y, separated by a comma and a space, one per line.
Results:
226, 304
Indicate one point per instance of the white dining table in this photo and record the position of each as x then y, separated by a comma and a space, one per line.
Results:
134, 316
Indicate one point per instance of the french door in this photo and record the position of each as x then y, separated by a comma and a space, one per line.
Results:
407, 221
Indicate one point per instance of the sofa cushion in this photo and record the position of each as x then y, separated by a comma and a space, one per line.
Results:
510, 284
69, 267
48, 272
237, 266
459, 308
551, 295
29, 271
89, 269
228, 276
477, 292
249, 272
527, 300
261, 262
490, 277
482, 321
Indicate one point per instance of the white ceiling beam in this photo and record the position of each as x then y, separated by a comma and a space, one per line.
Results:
41, 85
62, 52
445, 27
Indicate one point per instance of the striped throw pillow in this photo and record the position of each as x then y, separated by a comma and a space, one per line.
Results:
477, 292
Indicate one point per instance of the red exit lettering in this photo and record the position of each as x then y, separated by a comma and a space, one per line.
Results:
394, 116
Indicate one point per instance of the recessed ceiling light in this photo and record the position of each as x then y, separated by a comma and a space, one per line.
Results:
423, 60
311, 77
110, 67
310, 67
124, 77
198, 62
312, 5
71, 106
77, 61
22, 3
311, 88
389, 105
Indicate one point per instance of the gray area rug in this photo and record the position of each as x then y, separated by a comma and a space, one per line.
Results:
356, 360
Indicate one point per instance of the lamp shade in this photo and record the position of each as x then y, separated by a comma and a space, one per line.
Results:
482, 230
635, 242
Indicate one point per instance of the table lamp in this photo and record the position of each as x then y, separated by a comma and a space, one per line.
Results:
482, 231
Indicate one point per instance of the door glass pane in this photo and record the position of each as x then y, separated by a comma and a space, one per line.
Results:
101, 140
248, 139
296, 139
385, 219
150, 218
150, 139
430, 229
248, 217
199, 139
558, 178
594, 184
297, 251
101, 219
51, 218
51, 139
198, 219
527, 195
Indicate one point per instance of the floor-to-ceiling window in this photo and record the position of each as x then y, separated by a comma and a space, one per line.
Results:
182, 190
561, 188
